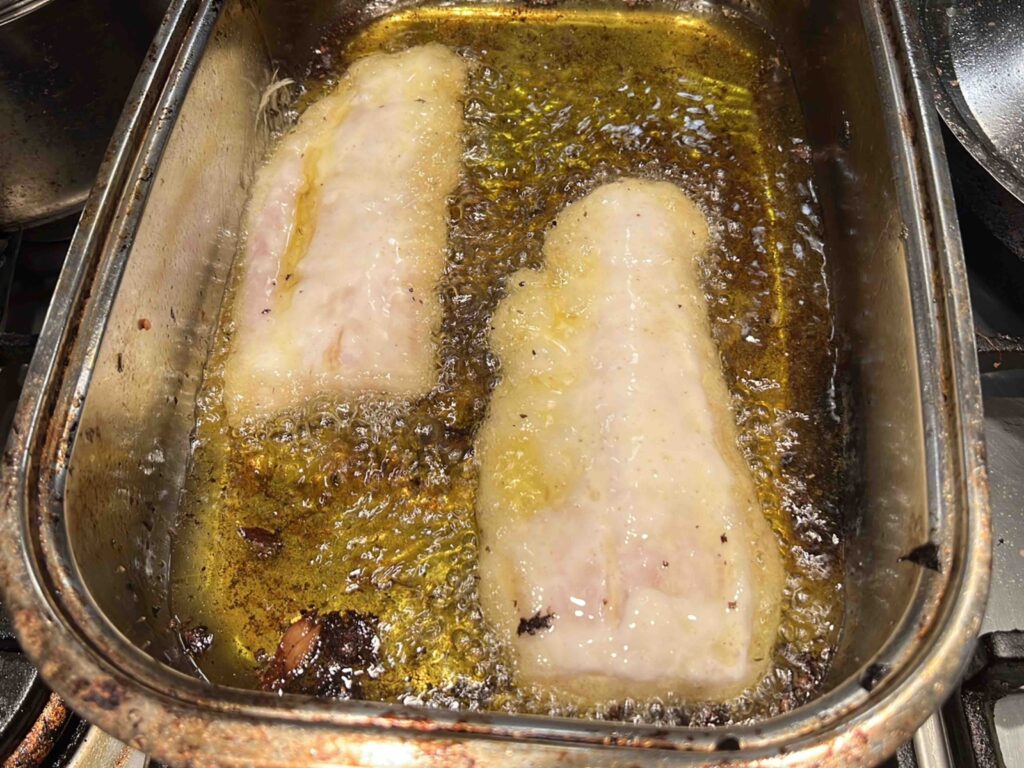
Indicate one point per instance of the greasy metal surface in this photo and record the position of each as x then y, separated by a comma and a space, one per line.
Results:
977, 51
65, 69
83, 577
150, 375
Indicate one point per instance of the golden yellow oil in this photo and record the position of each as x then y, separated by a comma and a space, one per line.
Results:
374, 500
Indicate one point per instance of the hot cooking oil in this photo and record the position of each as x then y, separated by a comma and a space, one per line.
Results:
368, 504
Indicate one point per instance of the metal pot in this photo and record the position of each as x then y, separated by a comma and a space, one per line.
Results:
65, 69
87, 513
977, 49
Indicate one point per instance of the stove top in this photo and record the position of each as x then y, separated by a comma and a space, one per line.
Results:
982, 726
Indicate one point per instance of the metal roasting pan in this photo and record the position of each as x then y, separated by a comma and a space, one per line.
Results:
94, 466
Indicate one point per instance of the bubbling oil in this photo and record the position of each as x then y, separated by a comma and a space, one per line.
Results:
373, 500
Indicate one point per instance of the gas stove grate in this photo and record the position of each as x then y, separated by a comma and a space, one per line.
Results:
36, 728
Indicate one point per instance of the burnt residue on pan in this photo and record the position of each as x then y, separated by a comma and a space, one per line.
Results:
327, 656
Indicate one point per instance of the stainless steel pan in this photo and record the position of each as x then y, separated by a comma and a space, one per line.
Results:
100, 443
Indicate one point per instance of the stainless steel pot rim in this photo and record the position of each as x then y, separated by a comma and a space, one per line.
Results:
953, 106
15, 9
173, 716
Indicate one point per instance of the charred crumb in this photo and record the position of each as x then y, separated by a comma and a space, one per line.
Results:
120, 362
731, 605
926, 555
265, 543
197, 640
535, 623
724, 538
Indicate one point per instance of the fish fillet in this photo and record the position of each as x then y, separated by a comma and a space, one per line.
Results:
623, 549
346, 240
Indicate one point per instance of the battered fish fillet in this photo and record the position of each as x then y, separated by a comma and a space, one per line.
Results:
623, 549
346, 240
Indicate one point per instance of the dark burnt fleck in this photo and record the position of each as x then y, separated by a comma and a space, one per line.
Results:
926, 555
105, 694
265, 543
535, 623
873, 676
197, 640
724, 538
679, 716
717, 715
727, 744
615, 711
